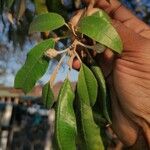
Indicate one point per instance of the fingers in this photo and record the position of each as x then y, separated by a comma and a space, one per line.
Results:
140, 144
125, 129
146, 129
145, 33
131, 40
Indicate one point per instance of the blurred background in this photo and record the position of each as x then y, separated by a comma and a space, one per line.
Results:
24, 122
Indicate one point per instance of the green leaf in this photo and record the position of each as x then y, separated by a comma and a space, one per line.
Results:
34, 67
90, 83
99, 119
87, 128
40, 6
65, 125
102, 14
46, 22
102, 32
102, 89
47, 95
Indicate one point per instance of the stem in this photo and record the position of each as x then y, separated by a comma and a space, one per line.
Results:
67, 26
78, 57
70, 61
84, 45
60, 38
63, 51
101, 49
74, 45
55, 72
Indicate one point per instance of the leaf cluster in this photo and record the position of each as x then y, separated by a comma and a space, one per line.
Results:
76, 123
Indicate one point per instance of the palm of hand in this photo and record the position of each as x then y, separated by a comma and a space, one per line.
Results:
131, 92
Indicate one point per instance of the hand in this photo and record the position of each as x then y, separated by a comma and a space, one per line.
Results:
129, 81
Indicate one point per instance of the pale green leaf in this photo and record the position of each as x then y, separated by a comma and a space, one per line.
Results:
102, 31
65, 124
34, 67
47, 95
46, 22
89, 82
88, 131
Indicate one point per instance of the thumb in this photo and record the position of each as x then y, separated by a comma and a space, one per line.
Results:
132, 41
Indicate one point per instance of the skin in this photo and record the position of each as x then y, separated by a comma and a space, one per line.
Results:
128, 75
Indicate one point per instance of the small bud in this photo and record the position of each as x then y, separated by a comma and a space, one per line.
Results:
51, 53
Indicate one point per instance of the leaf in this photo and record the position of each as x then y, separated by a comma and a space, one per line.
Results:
87, 128
47, 95
34, 67
46, 22
40, 6
102, 14
102, 32
65, 126
102, 90
90, 83
99, 119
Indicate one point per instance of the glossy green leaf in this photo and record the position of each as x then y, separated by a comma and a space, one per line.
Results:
87, 128
40, 6
102, 90
102, 32
65, 124
89, 82
34, 67
47, 95
46, 22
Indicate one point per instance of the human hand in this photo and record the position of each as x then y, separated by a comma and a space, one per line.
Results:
129, 79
